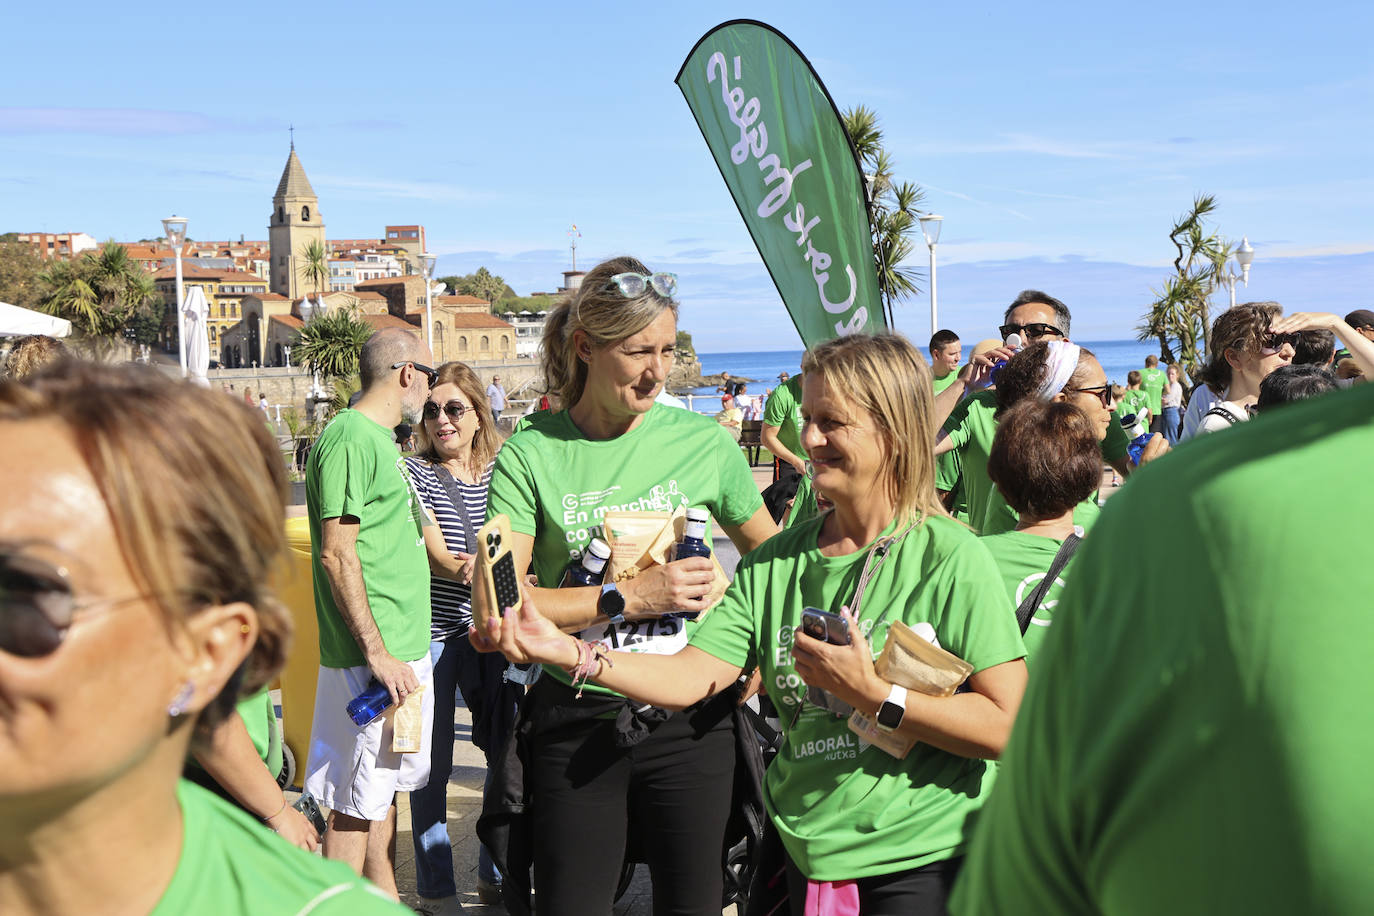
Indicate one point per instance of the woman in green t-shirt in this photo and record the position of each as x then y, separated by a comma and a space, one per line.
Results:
1045, 460
137, 536
595, 762
862, 827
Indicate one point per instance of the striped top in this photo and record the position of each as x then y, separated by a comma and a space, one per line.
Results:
451, 601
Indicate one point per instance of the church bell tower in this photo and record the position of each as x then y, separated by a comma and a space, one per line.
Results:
295, 222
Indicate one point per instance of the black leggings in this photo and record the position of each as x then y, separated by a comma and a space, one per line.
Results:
674, 788
920, 891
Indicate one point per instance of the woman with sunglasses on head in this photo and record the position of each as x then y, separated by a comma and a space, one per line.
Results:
865, 830
1243, 351
596, 762
457, 444
137, 535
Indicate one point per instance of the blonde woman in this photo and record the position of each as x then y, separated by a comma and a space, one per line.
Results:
136, 539
596, 761
860, 827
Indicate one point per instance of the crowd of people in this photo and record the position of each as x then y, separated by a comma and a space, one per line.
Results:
1186, 740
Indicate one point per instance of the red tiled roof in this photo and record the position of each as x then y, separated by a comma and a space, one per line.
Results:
222, 274
477, 320
291, 321
460, 299
382, 322
270, 297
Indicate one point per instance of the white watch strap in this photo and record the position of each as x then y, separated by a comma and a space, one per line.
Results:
897, 695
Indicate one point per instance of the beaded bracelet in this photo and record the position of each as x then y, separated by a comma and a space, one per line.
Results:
589, 658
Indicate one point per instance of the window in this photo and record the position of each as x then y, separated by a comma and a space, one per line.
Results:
305, 214
223, 310
485, 343
462, 343
281, 214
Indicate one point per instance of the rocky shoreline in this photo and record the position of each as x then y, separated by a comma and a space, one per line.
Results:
686, 375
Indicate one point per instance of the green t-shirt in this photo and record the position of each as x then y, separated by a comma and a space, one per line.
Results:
1152, 382
355, 470
1023, 560
783, 410
1133, 402
556, 485
231, 865
259, 716
940, 384
1114, 446
1199, 740
1001, 518
803, 504
845, 810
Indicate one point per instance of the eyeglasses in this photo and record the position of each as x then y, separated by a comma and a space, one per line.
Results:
1033, 330
1272, 343
633, 285
37, 606
431, 374
1102, 392
454, 409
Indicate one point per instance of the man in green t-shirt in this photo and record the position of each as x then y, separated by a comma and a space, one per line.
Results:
1198, 741
782, 425
371, 577
1152, 382
1136, 401
945, 355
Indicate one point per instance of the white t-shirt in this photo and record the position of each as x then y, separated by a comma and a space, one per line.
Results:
1211, 422
1199, 404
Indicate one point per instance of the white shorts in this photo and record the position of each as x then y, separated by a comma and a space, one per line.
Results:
353, 770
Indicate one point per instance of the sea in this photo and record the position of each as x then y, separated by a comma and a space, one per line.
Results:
762, 366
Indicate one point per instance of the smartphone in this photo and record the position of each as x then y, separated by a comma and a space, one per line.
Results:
825, 626
307, 805
497, 586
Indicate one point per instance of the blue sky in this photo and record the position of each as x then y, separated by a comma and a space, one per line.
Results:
1058, 141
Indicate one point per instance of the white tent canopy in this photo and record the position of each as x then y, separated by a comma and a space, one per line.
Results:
16, 322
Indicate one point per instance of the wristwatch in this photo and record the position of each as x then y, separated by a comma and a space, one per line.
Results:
611, 603
893, 710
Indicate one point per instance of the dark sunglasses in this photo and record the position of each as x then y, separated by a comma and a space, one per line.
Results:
1102, 392
1032, 330
431, 374
454, 409
37, 605
1272, 343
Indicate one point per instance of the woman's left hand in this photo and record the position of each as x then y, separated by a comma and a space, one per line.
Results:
1304, 321
469, 561
845, 671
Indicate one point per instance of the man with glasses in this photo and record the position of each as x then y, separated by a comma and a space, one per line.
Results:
371, 578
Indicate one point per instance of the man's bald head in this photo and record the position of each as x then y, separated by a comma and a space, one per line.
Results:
384, 350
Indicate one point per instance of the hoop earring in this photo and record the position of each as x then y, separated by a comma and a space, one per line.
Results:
181, 700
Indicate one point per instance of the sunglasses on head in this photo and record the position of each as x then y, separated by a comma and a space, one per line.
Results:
1271, 343
1102, 392
1033, 330
454, 410
633, 285
37, 605
431, 374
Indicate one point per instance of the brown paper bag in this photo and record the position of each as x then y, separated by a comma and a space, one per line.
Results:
919, 665
640, 540
408, 724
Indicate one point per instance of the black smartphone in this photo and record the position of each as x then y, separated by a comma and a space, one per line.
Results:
825, 626
307, 805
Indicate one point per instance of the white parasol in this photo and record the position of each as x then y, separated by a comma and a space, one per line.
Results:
194, 311
17, 322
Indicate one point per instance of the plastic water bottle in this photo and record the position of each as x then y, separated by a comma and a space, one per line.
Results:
369, 704
693, 544
590, 568
1140, 436
1012, 342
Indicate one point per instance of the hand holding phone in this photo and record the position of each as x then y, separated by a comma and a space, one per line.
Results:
825, 626
497, 586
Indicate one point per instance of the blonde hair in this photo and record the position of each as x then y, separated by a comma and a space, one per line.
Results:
888, 378
195, 487
606, 316
30, 353
487, 440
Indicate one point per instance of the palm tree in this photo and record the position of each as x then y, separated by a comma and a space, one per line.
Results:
314, 266
895, 207
330, 343
102, 293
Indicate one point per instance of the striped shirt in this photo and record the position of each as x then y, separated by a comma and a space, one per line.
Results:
451, 601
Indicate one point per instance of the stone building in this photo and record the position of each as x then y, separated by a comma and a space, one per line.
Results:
295, 223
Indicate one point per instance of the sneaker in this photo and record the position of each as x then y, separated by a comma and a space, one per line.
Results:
439, 906
488, 893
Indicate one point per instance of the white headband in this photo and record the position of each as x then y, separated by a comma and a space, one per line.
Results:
1062, 361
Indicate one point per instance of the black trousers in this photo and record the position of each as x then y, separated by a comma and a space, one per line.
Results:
920, 891
673, 790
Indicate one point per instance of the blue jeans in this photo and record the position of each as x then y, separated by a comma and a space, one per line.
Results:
458, 668
1170, 419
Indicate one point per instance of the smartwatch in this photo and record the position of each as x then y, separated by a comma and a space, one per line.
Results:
611, 603
893, 710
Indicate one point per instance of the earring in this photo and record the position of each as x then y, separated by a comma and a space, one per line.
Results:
181, 700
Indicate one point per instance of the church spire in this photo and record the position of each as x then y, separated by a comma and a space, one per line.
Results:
293, 181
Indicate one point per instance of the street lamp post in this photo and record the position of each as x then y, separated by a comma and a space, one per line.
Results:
287, 350
427, 267
175, 229
1244, 255
930, 228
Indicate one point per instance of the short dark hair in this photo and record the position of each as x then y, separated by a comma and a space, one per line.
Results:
1020, 378
1287, 384
1151, 361
1045, 458
1314, 348
941, 339
1360, 318
1062, 318
1133, 377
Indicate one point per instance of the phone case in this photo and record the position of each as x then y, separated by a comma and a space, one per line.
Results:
307, 805
825, 626
497, 585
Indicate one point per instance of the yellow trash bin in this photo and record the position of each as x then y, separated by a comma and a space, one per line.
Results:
296, 589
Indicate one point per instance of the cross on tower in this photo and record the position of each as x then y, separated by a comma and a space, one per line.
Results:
293, 136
